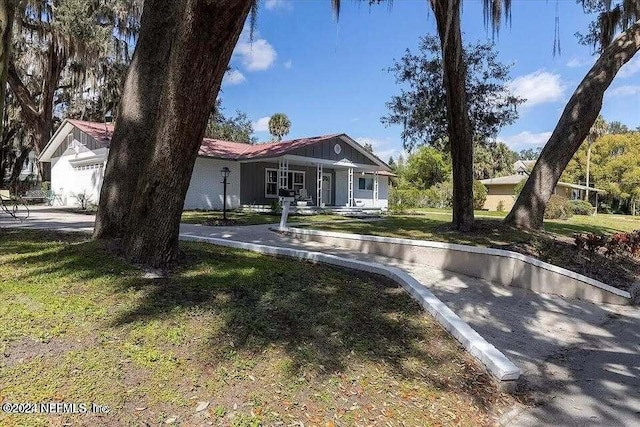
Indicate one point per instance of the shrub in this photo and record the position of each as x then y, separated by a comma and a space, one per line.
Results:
500, 207
83, 199
479, 195
624, 243
399, 200
518, 188
604, 208
444, 193
557, 208
45, 186
580, 207
411, 198
616, 244
276, 208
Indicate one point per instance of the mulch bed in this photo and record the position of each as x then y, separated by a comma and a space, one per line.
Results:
222, 222
620, 271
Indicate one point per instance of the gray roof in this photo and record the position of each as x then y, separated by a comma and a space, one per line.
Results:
504, 180
517, 178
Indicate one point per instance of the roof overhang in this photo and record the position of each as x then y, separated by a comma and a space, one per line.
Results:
314, 161
55, 141
355, 144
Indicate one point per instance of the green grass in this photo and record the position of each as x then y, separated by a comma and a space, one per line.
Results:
249, 218
433, 224
263, 339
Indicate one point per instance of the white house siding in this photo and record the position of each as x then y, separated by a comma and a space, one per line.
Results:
362, 198
206, 189
67, 182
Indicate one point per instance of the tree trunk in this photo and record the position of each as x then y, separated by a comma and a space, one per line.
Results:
447, 13
131, 143
38, 118
572, 129
17, 169
586, 197
7, 12
204, 37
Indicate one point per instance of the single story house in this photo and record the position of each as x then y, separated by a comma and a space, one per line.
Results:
502, 189
325, 171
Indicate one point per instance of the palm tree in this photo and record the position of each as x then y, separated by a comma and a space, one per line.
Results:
279, 126
599, 128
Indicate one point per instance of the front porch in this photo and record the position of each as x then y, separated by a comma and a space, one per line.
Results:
316, 210
319, 184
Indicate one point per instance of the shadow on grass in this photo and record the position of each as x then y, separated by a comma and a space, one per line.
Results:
324, 319
568, 230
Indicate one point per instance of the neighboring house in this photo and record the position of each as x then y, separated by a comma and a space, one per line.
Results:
30, 168
502, 189
333, 170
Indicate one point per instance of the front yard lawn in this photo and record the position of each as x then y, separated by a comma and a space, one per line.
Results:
248, 218
554, 245
247, 338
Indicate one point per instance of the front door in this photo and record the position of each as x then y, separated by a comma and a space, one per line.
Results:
326, 189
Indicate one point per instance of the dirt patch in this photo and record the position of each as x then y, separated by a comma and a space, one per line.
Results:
619, 271
26, 349
222, 222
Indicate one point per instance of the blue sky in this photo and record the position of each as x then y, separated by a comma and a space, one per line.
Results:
330, 76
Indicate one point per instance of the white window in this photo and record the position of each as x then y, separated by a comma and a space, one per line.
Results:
271, 183
70, 141
89, 167
296, 181
365, 184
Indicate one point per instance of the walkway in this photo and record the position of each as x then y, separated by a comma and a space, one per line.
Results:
581, 361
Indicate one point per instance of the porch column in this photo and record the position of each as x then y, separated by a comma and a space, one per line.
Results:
350, 190
283, 173
319, 185
375, 189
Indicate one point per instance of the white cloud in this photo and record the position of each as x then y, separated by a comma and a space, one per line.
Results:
630, 68
288, 65
624, 91
277, 4
576, 62
383, 148
261, 125
258, 55
525, 138
233, 77
539, 87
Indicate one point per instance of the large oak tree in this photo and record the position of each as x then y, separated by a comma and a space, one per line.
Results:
180, 59
420, 108
58, 48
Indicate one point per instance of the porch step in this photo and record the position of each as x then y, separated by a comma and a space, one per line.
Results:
358, 212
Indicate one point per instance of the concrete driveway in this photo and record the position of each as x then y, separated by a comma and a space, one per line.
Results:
581, 361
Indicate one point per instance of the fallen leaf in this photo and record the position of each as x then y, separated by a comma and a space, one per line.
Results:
202, 406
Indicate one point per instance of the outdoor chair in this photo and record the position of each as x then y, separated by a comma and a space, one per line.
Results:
303, 198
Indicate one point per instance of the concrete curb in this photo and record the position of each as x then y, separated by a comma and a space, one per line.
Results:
497, 364
514, 269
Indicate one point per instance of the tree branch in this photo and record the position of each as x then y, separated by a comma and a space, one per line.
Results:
24, 97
